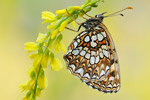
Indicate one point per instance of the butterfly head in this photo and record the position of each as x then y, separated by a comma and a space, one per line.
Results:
100, 17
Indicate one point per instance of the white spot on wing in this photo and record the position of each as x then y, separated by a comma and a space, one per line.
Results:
115, 85
72, 66
94, 37
109, 86
97, 52
97, 59
107, 68
111, 79
87, 56
87, 76
75, 52
108, 91
103, 33
85, 81
80, 71
117, 76
87, 39
106, 53
78, 40
104, 47
90, 86
93, 53
103, 85
94, 76
83, 33
92, 60
100, 37
85, 48
98, 28
82, 53
93, 44
113, 67
101, 55
80, 48
102, 73
75, 44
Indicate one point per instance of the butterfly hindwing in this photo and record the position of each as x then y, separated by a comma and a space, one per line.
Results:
92, 57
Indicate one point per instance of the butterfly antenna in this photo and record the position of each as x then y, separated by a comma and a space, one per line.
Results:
115, 13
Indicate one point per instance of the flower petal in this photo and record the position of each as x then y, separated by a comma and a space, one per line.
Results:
37, 61
76, 8
62, 46
60, 12
31, 46
56, 64
63, 25
33, 55
44, 60
48, 16
42, 82
54, 33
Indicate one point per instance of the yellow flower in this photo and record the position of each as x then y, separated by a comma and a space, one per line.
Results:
76, 8
63, 25
59, 46
55, 64
54, 33
52, 25
31, 46
33, 55
41, 37
25, 98
61, 12
32, 73
62, 46
29, 96
38, 92
37, 61
48, 17
31, 83
42, 82
44, 59
24, 86
50, 47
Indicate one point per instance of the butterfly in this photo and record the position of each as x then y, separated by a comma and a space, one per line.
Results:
92, 56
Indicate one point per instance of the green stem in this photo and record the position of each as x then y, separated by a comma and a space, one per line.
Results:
35, 87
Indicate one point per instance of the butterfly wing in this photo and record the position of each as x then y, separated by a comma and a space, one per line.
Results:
92, 57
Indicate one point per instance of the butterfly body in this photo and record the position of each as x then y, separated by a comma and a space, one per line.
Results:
92, 57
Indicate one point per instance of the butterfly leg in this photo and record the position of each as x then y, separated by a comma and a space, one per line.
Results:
72, 17
80, 24
73, 29
87, 14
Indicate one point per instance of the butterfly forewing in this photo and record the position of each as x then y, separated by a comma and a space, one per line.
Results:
92, 57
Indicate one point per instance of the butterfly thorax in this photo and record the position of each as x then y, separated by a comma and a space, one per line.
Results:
92, 23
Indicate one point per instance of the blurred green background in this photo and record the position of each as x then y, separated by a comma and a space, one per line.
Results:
20, 21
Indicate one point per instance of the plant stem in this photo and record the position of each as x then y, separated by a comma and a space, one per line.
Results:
35, 87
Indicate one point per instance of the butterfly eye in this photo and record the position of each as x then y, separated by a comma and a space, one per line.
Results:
95, 16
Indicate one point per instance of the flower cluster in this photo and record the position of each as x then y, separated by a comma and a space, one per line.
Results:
43, 51
43, 54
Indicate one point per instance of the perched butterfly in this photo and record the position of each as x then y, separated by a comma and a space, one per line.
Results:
92, 56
